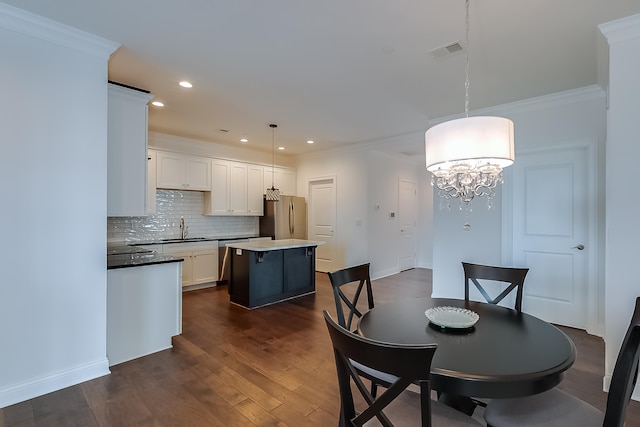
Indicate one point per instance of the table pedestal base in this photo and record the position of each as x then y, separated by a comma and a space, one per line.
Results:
462, 403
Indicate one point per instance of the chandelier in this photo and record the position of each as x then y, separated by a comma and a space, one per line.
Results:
466, 156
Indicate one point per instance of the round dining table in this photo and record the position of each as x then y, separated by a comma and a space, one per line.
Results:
505, 354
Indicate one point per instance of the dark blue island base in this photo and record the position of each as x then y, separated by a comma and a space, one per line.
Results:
264, 277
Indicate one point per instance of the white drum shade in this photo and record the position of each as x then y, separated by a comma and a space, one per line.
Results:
480, 139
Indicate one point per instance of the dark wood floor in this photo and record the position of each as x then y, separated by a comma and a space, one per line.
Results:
271, 366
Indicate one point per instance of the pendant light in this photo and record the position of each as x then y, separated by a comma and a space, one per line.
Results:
466, 156
273, 194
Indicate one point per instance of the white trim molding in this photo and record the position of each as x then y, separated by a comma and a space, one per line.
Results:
21, 21
54, 382
621, 29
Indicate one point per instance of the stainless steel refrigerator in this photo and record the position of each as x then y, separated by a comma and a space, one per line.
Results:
284, 219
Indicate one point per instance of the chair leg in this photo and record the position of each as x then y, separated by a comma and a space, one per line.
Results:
374, 389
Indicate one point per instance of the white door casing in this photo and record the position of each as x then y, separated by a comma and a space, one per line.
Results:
407, 216
552, 202
322, 222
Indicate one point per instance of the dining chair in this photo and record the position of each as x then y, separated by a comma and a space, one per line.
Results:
558, 408
344, 303
411, 364
514, 277
342, 278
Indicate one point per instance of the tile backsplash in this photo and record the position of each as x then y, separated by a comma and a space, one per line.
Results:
165, 223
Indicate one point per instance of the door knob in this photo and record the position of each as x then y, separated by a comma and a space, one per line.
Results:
579, 247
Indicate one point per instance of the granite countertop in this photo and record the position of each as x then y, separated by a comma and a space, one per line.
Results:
131, 256
272, 245
187, 240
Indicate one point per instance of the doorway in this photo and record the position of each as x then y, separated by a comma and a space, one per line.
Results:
322, 221
554, 203
407, 216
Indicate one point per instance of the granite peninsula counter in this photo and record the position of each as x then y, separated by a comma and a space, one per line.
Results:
144, 302
269, 271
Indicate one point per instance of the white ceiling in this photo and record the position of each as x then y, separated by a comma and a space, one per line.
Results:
335, 71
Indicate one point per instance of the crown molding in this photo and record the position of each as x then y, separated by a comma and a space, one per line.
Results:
621, 29
23, 22
568, 97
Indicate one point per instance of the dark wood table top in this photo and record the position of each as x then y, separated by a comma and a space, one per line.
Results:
505, 354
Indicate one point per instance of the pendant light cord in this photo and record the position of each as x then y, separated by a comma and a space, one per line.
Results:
466, 68
273, 153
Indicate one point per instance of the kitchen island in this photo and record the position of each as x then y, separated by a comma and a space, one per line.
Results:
270, 271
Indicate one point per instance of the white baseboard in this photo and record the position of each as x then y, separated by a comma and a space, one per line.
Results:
54, 382
383, 273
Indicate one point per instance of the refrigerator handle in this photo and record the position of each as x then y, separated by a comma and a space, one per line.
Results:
292, 219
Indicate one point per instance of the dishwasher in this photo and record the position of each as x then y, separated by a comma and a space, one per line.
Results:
224, 261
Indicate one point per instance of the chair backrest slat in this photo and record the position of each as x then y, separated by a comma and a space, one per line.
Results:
514, 277
625, 373
340, 278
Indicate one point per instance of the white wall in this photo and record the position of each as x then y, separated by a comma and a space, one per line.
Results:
572, 118
425, 218
53, 132
384, 173
350, 172
563, 119
367, 178
623, 208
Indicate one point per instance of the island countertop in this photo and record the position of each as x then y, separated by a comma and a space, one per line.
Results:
272, 245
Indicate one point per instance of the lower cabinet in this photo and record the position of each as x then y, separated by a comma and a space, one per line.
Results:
200, 265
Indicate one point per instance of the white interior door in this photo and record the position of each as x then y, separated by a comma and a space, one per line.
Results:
550, 229
322, 222
407, 217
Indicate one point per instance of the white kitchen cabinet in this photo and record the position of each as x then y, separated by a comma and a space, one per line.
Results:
238, 188
217, 201
205, 266
183, 172
127, 151
151, 182
229, 189
255, 190
283, 179
200, 265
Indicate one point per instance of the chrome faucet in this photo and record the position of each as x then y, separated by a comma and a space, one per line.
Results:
184, 230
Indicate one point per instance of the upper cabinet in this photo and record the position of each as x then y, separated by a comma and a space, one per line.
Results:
283, 179
183, 172
236, 189
255, 190
127, 151
228, 189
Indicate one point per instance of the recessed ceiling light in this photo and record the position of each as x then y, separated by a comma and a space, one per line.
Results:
309, 142
157, 104
280, 148
185, 84
244, 140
